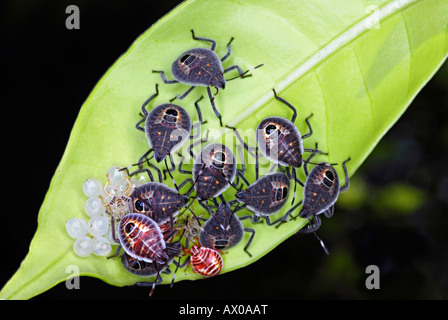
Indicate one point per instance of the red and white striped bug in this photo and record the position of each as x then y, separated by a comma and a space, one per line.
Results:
205, 261
142, 238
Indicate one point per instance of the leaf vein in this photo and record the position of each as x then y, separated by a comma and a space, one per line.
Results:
327, 116
408, 37
364, 80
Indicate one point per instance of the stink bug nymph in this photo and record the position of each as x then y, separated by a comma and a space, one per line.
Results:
214, 169
167, 127
266, 196
224, 229
280, 141
321, 192
201, 67
158, 201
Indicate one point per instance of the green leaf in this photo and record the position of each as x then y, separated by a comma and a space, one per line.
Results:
325, 57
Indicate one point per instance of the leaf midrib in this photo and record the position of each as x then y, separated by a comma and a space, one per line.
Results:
333, 46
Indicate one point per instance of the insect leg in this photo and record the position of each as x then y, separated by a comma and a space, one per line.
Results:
181, 96
112, 225
191, 188
180, 167
241, 73
173, 167
152, 284
287, 104
243, 167
143, 158
159, 173
284, 218
117, 252
257, 168
309, 127
151, 177
268, 221
146, 170
162, 75
205, 39
198, 111
194, 144
183, 264
190, 180
201, 121
255, 218
250, 240
347, 181
329, 212
316, 151
305, 166
179, 265
294, 177
312, 226
229, 51
185, 182
244, 144
212, 98
145, 112
138, 125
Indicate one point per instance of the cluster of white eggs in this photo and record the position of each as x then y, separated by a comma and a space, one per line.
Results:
95, 236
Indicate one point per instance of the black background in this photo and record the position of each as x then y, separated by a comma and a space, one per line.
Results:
48, 72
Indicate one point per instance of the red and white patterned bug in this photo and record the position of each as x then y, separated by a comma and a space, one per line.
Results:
142, 238
205, 261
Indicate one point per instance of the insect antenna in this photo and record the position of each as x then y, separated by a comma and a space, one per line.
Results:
331, 164
244, 74
194, 215
292, 176
206, 207
235, 210
308, 160
317, 237
295, 186
173, 166
141, 169
158, 278
178, 263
